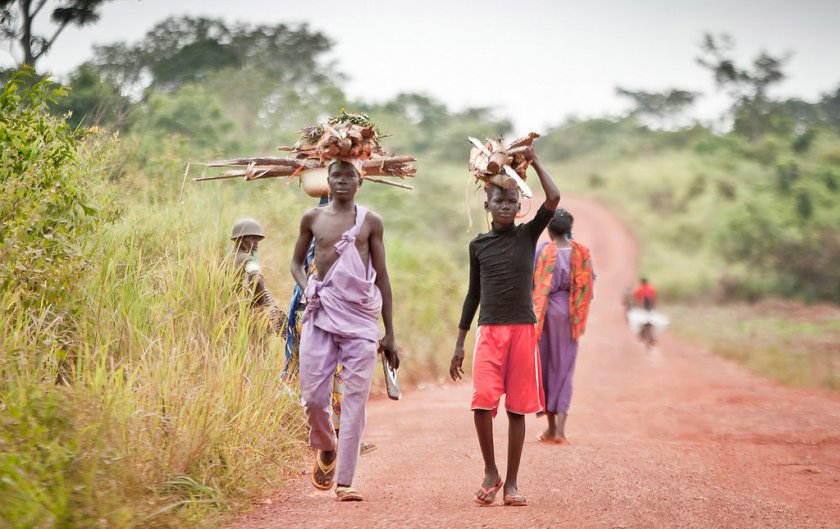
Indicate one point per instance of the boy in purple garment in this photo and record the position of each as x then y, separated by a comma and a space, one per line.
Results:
345, 298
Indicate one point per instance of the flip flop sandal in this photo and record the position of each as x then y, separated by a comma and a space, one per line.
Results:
347, 494
327, 471
489, 494
517, 500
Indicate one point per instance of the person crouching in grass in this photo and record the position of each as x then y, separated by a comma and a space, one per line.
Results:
506, 360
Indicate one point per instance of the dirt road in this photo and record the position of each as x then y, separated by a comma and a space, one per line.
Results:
672, 438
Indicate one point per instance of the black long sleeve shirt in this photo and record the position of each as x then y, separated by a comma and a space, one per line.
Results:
501, 273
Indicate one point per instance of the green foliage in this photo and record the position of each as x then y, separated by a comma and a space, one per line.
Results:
747, 86
804, 141
170, 406
92, 100
662, 108
715, 212
182, 50
619, 137
783, 340
191, 115
787, 233
363, 120
45, 207
830, 107
36, 457
428, 128
270, 79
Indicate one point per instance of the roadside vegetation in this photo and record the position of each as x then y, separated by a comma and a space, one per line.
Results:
788, 341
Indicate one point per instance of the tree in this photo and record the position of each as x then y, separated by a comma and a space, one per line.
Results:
747, 86
662, 108
92, 100
428, 127
185, 49
830, 105
270, 78
17, 24
191, 114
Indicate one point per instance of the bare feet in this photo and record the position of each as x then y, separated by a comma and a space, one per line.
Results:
556, 439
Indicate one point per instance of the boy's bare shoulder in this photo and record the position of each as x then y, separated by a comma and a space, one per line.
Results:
312, 213
374, 217
373, 220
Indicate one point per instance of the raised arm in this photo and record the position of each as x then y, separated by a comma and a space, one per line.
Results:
552, 194
298, 267
377, 254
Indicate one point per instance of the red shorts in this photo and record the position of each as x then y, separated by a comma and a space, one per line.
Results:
506, 361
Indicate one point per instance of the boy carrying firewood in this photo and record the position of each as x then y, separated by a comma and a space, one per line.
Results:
346, 295
506, 360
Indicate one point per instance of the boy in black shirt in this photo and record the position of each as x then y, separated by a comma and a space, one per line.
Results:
506, 360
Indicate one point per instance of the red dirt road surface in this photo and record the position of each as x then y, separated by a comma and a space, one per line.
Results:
672, 438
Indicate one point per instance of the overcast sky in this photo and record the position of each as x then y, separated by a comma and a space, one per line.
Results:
536, 61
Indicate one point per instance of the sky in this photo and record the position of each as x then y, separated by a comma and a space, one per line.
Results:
537, 62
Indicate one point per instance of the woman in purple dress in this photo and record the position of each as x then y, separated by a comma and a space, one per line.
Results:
563, 280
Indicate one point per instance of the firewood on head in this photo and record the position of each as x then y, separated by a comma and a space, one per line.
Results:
325, 141
473, 155
311, 134
496, 162
349, 137
330, 152
481, 162
367, 148
344, 146
501, 180
528, 140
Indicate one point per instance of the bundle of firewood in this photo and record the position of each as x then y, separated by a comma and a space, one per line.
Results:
266, 167
502, 165
344, 137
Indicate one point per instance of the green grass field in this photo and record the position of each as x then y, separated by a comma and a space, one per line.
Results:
790, 342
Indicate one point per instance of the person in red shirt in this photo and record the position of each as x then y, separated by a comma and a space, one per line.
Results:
645, 295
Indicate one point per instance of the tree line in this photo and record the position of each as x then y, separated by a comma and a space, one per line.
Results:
196, 87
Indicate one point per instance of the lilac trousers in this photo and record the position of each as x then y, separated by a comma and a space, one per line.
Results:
321, 351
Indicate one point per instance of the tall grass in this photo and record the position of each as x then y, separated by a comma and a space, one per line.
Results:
156, 400
165, 403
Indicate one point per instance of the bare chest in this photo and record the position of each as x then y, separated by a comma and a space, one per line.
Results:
327, 231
